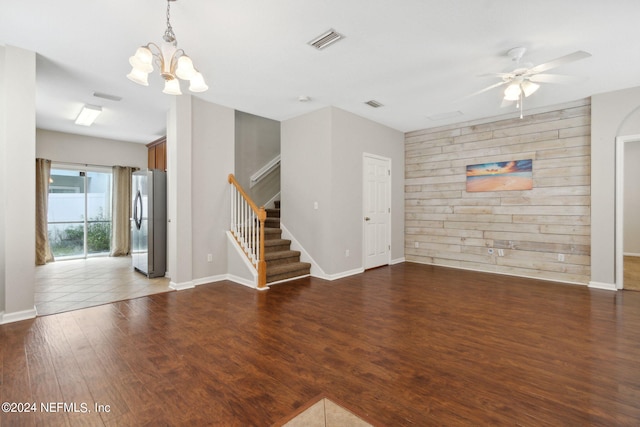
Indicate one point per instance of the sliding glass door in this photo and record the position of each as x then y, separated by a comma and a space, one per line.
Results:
79, 211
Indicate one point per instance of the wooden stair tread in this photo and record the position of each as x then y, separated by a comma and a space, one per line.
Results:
281, 254
282, 262
288, 271
276, 242
288, 268
270, 232
273, 213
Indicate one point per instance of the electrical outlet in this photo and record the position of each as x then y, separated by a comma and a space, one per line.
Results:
561, 257
315, 205
416, 244
500, 252
346, 253
209, 257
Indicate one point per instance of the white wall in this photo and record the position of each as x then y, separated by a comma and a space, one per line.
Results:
3, 177
632, 198
17, 187
613, 114
322, 162
200, 155
71, 148
305, 178
353, 136
213, 161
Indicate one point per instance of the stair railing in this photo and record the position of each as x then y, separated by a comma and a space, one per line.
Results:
247, 226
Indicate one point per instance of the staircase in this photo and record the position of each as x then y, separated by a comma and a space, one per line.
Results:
282, 262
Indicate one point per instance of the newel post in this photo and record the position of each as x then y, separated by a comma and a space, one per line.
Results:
262, 264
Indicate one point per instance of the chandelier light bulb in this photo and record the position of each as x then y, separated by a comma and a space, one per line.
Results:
138, 76
143, 59
185, 69
172, 87
197, 83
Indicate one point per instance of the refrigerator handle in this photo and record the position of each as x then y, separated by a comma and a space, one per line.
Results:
137, 214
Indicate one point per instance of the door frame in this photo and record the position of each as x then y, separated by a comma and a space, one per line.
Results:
619, 215
388, 160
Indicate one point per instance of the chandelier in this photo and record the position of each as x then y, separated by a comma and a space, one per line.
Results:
174, 64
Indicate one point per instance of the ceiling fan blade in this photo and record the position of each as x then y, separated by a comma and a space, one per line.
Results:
575, 56
486, 89
552, 78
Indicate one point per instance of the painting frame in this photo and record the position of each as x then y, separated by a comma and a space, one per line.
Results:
511, 175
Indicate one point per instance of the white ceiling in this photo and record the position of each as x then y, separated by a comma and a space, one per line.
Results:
420, 58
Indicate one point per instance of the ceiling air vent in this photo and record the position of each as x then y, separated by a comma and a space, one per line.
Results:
326, 39
374, 104
107, 96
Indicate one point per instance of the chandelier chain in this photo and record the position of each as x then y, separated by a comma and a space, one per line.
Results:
169, 36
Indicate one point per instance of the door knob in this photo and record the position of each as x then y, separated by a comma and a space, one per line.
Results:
366, 218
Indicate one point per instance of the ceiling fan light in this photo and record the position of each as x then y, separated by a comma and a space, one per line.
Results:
197, 83
529, 87
172, 87
185, 69
512, 92
139, 76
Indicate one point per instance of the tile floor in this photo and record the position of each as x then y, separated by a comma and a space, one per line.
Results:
326, 413
74, 284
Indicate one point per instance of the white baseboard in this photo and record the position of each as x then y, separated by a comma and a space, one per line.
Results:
545, 279
397, 261
182, 286
230, 277
210, 279
18, 316
605, 286
241, 281
344, 274
631, 254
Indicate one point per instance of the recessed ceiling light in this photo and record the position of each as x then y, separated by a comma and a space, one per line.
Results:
326, 39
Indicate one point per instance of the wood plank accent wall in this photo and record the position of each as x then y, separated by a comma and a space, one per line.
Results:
456, 228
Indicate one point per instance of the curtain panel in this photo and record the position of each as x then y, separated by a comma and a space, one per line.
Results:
121, 211
43, 175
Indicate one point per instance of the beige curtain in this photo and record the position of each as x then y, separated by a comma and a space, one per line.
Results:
43, 174
121, 211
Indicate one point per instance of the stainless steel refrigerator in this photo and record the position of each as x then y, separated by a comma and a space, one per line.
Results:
149, 222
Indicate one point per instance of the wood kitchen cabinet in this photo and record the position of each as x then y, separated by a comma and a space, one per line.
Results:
158, 154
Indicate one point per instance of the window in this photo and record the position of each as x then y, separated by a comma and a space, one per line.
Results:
79, 218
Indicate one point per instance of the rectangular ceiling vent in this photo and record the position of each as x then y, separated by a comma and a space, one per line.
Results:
107, 96
374, 104
326, 39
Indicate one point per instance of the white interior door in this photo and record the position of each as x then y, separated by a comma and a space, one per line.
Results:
377, 210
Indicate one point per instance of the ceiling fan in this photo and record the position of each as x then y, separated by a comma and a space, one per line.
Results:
523, 80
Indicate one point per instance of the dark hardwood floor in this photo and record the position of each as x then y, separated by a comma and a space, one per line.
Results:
409, 344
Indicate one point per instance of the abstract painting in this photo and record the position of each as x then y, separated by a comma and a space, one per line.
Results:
500, 176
